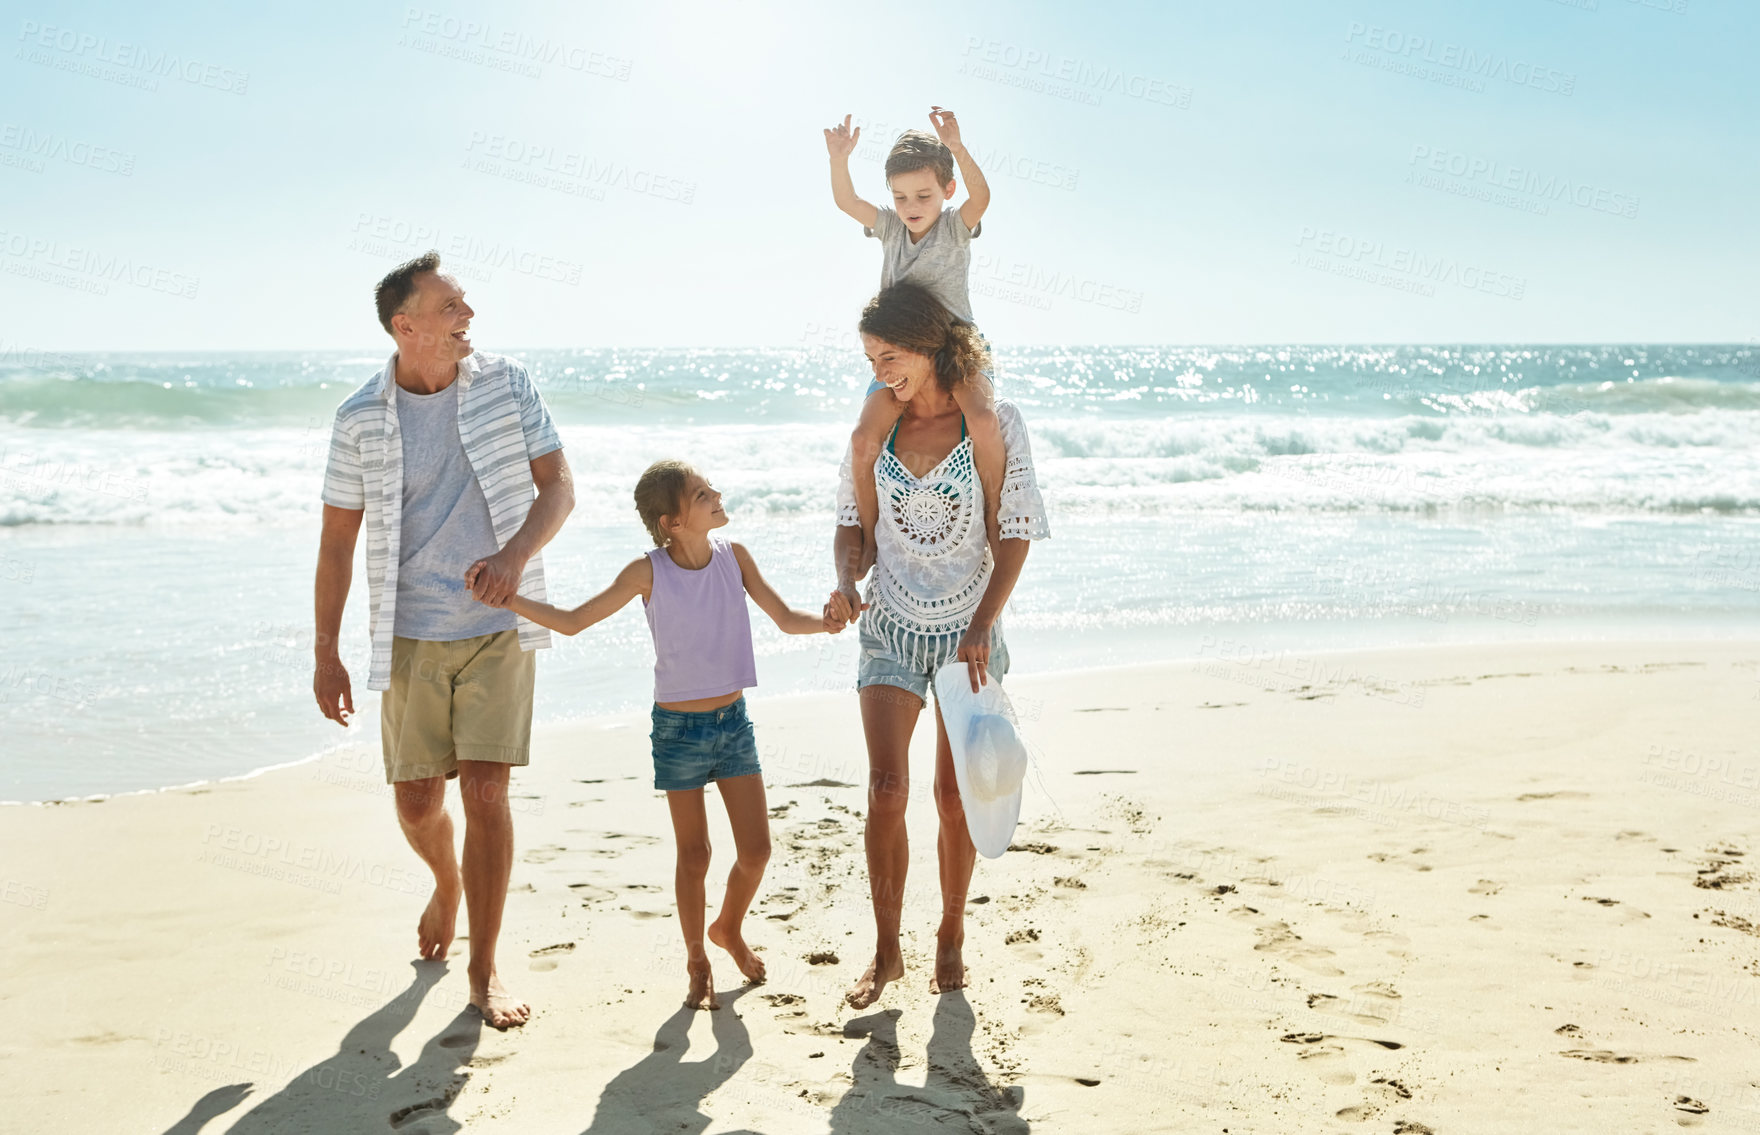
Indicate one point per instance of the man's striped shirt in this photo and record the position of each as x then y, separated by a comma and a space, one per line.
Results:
503, 425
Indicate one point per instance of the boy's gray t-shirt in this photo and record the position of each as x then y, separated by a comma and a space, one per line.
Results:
445, 529
941, 261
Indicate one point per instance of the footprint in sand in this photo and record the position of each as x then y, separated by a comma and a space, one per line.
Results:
1485, 887
589, 893
547, 958
1277, 938
787, 1004
1606, 1056
1627, 914
1327, 1062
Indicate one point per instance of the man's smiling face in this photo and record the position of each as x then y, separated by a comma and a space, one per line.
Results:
436, 322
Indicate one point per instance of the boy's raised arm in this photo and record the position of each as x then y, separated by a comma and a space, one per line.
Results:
977, 189
637, 578
840, 141
787, 619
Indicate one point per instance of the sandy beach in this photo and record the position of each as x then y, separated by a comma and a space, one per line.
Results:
1493, 888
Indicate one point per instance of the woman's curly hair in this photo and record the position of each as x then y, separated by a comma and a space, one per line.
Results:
908, 315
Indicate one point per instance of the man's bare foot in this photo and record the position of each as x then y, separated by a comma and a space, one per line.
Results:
499, 1007
702, 994
869, 986
439, 923
744, 956
950, 968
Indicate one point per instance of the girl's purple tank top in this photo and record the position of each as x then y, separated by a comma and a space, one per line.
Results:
702, 632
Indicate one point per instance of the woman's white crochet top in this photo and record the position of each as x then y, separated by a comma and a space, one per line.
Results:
933, 562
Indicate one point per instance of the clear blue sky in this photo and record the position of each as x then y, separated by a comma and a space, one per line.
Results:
1223, 172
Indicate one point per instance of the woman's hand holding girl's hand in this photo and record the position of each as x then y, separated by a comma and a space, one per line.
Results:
844, 604
974, 651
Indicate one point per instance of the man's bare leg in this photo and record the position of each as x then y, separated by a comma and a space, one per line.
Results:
750, 819
957, 857
690, 830
487, 865
888, 716
421, 812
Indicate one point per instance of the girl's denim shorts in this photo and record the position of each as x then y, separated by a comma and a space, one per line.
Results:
691, 749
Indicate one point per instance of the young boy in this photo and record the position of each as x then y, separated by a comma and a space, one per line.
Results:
922, 242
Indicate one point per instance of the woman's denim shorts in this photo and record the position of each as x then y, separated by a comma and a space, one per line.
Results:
691, 749
887, 663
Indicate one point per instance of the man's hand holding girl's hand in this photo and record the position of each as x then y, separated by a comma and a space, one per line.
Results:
495, 579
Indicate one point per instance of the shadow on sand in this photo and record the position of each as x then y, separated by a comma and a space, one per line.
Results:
363, 1087
956, 1094
662, 1092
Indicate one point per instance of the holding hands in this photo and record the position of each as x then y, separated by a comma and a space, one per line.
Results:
494, 579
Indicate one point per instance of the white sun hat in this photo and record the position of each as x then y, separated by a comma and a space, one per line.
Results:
989, 759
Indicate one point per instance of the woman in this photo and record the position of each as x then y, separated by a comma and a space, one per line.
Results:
935, 598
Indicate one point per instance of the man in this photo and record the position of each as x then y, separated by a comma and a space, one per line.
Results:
439, 455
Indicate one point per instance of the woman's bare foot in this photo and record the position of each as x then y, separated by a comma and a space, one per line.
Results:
950, 968
499, 1007
439, 923
702, 994
867, 989
744, 956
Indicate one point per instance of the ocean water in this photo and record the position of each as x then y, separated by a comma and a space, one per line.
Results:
159, 518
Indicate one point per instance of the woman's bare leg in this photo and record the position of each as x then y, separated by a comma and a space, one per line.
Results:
889, 714
957, 857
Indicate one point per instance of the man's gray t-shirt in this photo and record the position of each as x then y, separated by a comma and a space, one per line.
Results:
941, 261
445, 528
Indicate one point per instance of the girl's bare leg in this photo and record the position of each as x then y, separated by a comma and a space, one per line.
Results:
690, 827
750, 817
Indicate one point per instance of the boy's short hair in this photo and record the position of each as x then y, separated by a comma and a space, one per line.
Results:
919, 149
399, 284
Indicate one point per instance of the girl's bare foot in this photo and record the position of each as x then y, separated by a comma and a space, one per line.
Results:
744, 956
439, 922
499, 1007
867, 989
702, 994
950, 969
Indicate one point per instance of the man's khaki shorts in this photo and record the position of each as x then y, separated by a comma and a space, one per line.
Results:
467, 700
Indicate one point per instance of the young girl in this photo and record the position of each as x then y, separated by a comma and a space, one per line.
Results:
694, 587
